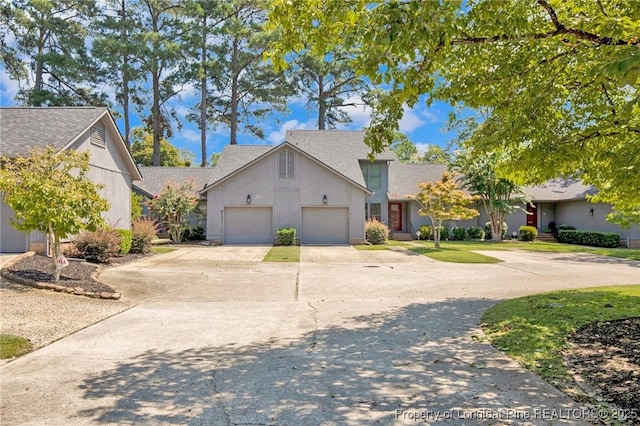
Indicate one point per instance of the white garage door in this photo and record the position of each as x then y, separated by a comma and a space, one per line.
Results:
11, 240
248, 225
325, 225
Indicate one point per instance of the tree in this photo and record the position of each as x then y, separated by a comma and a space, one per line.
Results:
214, 158
443, 200
499, 196
404, 149
561, 78
51, 193
434, 154
50, 38
625, 219
170, 156
173, 205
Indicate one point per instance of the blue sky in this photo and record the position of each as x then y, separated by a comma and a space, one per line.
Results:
423, 125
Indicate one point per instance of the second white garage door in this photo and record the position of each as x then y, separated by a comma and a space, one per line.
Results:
325, 225
248, 225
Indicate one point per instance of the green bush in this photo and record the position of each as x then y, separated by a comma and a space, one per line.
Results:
459, 233
426, 232
144, 231
195, 233
98, 246
286, 236
445, 232
487, 230
126, 237
565, 227
475, 233
589, 238
376, 232
528, 233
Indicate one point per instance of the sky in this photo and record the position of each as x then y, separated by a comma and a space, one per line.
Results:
422, 124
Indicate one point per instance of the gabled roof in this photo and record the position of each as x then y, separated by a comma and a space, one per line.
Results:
156, 177
560, 190
404, 178
27, 127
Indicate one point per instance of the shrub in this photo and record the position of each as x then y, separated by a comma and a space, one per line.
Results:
528, 233
487, 230
376, 232
565, 227
426, 232
444, 233
589, 238
98, 246
195, 233
286, 236
144, 231
459, 233
125, 240
475, 233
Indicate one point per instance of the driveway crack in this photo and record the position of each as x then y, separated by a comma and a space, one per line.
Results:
218, 398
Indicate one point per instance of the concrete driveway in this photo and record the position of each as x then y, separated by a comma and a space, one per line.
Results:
341, 338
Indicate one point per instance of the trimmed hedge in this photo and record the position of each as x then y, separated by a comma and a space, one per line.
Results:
459, 233
589, 238
126, 237
475, 233
376, 232
528, 233
425, 232
286, 236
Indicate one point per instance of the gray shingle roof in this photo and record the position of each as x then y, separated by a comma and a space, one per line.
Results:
560, 190
404, 178
156, 177
23, 128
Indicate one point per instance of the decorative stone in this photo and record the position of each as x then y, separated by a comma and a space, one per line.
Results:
116, 296
59, 288
89, 294
78, 292
69, 289
105, 295
43, 286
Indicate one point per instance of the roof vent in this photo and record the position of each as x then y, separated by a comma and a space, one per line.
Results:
98, 134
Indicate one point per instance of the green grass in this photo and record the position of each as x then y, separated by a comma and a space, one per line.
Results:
283, 254
162, 250
449, 253
533, 330
624, 253
11, 346
385, 246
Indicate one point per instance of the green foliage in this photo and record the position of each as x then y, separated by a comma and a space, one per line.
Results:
443, 200
286, 236
173, 205
376, 232
487, 230
214, 158
51, 192
98, 246
459, 233
144, 232
589, 238
475, 233
404, 149
195, 233
426, 232
136, 206
565, 227
625, 218
170, 156
126, 236
528, 233
434, 154
12, 346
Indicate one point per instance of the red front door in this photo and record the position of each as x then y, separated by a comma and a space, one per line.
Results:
532, 215
395, 216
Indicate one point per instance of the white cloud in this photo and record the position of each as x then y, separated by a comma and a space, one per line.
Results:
422, 147
359, 113
8, 88
410, 120
190, 135
280, 135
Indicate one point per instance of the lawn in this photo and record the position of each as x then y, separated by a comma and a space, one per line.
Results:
283, 254
11, 346
533, 330
163, 250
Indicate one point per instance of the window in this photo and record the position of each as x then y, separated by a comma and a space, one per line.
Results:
373, 211
98, 134
372, 175
286, 165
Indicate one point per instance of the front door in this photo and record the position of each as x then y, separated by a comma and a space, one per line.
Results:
532, 215
395, 216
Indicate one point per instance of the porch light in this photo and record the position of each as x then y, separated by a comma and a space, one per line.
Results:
325, 200
590, 212
248, 198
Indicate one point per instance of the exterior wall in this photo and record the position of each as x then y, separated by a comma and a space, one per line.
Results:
380, 194
311, 182
576, 213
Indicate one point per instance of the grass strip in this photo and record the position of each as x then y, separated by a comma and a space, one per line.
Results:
454, 254
283, 254
162, 250
12, 346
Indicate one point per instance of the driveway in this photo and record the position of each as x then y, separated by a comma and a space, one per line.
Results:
341, 338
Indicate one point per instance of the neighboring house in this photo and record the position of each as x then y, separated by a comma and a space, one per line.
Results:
155, 179
80, 128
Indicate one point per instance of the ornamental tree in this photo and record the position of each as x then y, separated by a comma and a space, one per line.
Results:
50, 192
443, 200
173, 206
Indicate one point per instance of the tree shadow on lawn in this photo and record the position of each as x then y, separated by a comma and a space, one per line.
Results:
423, 357
597, 258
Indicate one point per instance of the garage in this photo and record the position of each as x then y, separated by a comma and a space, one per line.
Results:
248, 225
11, 240
325, 225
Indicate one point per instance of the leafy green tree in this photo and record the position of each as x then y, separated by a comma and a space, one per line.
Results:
499, 196
625, 219
560, 77
51, 193
404, 149
173, 206
170, 155
214, 158
443, 200
50, 38
435, 154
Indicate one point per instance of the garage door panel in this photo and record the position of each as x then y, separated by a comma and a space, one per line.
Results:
325, 225
248, 225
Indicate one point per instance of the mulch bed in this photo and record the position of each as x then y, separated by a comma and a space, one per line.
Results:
607, 356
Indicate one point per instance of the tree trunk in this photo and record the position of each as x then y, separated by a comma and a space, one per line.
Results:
322, 105
436, 235
38, 78
125, 76
54, 243
155, 109
203, 96
233, 119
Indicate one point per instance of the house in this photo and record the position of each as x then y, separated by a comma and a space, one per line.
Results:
81, 128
